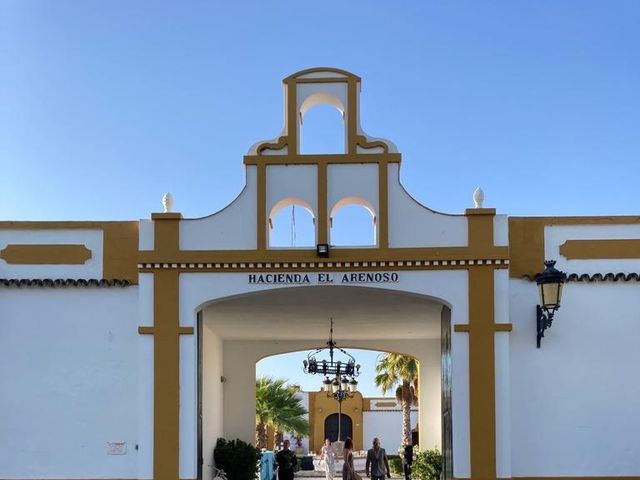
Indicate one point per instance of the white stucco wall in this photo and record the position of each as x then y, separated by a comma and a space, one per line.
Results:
387, 426
502, 376
352, 180
413, 225
291, 182
91, 239
145, 377
212, 394
574, 401
69, 381
232, 228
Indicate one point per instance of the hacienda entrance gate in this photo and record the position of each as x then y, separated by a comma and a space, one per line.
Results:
187, 265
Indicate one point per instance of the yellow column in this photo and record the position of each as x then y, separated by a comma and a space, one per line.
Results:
166, 332
481, 330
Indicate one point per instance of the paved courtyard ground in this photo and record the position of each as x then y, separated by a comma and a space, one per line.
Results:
358, 462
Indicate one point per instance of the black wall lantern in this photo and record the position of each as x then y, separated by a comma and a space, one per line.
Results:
550, 289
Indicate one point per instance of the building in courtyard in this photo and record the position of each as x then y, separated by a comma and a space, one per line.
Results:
127, 348
362, 419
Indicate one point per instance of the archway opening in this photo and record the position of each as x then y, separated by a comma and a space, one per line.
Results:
238, 334
292, 224
368, 412
323, 130
338, 426
353, 223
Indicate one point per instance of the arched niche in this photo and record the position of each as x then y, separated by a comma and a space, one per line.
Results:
353, 222
292, 224
322, 125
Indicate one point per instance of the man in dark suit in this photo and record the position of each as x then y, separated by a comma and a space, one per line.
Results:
286, 461
377, 460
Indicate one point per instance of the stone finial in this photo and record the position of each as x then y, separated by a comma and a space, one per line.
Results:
167, 202
478, 198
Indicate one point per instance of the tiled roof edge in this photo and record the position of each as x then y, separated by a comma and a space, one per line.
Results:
63, 282
599, 277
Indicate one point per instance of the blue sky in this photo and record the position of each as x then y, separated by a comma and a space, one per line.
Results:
104, 106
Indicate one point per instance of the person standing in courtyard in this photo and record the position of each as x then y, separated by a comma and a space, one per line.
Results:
286, 461
328, 455
407, 459
348, 469
377, 460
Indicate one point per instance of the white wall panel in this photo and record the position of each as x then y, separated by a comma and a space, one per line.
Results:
574, 401
69, 380
413, 225
232, 228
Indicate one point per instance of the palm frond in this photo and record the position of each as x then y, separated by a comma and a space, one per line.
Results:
278, 406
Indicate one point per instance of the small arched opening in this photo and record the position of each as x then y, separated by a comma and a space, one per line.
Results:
353, 223
292, 224
322, 125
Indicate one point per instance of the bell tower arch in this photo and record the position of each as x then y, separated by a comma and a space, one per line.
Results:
326, 182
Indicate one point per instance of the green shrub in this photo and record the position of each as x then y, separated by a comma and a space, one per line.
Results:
427, 465
395, 463
238, 459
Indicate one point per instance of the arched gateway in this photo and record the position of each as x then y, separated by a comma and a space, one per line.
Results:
220, 269
210, 297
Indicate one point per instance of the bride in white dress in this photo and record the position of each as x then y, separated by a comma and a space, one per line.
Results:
329, 458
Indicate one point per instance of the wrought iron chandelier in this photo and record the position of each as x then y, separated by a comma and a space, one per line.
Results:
344, 384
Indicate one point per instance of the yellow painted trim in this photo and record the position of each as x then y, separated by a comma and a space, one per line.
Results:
278, 145
296, 76
498, 327
481, 331
336, 255
386, 404
352, 116
166, 359
595, 249
480, 211
482, 413
166, 352
322, 158
166, 216
292, 117
383, 205
323, 216
261, 225
323, 80
54, 254
119, 244
526, 239
298, 268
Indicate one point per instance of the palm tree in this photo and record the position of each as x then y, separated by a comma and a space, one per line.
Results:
394, 369
277, 406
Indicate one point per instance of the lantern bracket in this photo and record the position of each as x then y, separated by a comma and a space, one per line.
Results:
544, 321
